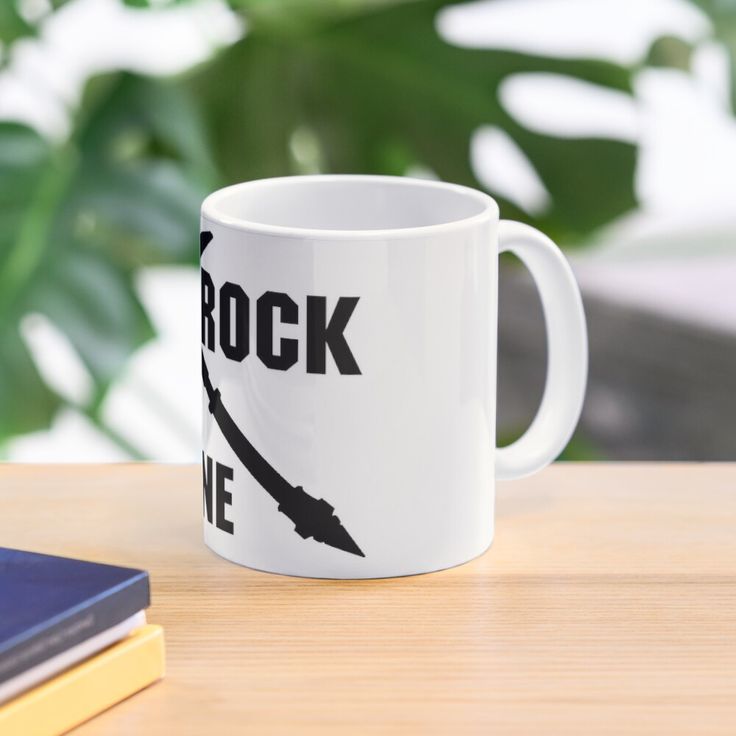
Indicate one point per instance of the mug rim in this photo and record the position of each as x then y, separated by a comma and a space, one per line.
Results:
209, 209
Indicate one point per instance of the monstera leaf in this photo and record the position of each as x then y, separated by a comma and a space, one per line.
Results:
25, 401
378, 90
19, 19
723, 15
78, 220
12, 24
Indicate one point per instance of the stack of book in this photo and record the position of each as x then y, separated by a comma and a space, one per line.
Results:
73, 641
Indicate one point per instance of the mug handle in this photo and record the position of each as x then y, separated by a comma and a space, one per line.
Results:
567, 352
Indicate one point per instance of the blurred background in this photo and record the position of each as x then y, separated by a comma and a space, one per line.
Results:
609, 124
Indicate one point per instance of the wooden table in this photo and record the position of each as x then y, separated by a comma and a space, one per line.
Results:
606, 605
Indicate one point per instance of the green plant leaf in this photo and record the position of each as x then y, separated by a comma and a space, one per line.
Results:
248, 98
380, 89
80, 219
297, 16
723, 15
12, 24
25, 401
143, 4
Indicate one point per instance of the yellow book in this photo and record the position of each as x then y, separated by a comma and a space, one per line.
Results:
87, 689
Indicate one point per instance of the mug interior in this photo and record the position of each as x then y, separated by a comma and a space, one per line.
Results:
345, 203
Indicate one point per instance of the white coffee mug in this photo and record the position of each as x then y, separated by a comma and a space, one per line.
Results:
349, 367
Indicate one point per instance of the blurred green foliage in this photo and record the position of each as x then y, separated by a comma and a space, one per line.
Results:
79, 219
723, 16
315, 85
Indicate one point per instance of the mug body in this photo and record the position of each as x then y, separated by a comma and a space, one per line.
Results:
349, 360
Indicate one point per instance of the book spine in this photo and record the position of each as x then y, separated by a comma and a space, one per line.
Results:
80, 624
83, 691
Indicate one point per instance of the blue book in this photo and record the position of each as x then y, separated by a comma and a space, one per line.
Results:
51, 604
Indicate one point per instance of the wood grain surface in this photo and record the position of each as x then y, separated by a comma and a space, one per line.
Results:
607, 605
